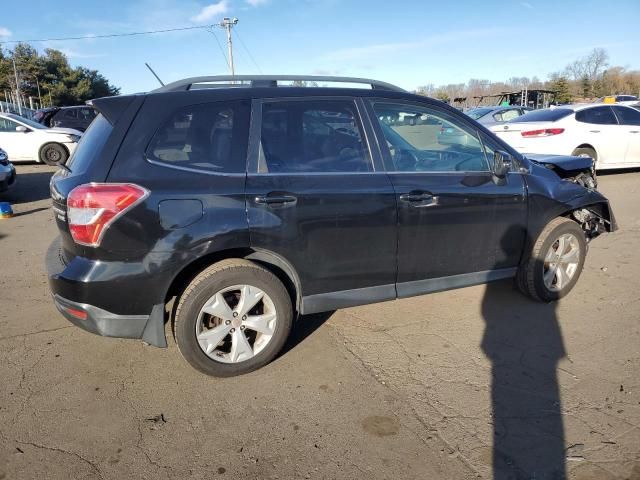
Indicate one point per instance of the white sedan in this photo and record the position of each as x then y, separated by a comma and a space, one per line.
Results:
26, 140
610, 134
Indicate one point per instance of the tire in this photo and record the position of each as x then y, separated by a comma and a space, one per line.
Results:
224, 282
53, 154
586, 152
531, 273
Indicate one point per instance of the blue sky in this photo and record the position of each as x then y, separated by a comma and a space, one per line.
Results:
409, 43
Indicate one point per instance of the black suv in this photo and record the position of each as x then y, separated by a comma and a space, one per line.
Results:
229, 209
78, 117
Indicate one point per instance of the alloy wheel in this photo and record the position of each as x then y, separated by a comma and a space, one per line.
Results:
561, 262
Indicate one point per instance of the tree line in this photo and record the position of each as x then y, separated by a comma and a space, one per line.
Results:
48, 78
584, 79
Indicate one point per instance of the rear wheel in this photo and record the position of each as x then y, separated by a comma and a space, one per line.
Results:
233, 318
555, 262
53, 154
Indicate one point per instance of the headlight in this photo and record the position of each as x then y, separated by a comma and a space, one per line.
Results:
73, 138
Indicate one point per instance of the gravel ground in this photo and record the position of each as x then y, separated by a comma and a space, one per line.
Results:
478, 382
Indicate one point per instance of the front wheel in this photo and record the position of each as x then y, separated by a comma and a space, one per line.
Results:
555, 261
233, 318
53, 154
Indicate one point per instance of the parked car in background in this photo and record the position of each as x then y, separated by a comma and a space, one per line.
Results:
7, 172
78, 117
26, 140
610, 134
496, 114
247, 206
619, 99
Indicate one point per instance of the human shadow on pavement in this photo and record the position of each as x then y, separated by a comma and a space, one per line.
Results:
302, 328
523, 340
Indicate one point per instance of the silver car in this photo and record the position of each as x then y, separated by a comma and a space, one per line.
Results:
496, 114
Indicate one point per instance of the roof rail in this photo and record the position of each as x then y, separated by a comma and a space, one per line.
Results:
228, 81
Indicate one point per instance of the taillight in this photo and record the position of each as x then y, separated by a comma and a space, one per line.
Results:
93, 207
546, 132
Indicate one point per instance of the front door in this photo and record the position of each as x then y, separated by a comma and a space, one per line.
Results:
16, 144
457, 224
318, 199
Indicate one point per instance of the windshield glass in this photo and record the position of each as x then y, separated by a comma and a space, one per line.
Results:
26, 121
476, 113
544, 115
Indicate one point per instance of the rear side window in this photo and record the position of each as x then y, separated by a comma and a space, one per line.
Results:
71, 113
597, 115
90, 145
544, 115
209, 137
321, 136
627, 116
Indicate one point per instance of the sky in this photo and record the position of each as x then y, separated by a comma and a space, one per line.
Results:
408, 43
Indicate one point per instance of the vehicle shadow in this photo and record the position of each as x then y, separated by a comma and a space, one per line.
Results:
29, 187
523, 341
302, 328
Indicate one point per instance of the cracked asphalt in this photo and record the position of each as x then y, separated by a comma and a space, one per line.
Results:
471, 383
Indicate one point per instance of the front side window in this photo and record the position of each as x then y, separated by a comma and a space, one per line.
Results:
209, 137
627, 116
436, 142
314, 136
597, 116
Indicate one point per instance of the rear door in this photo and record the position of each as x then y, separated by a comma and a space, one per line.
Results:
318, 199
456, 224
599, 127
629, 119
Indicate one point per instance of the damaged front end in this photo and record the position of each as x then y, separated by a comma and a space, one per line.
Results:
579, 170
593, 223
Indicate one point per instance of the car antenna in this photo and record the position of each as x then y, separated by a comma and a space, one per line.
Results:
154, 73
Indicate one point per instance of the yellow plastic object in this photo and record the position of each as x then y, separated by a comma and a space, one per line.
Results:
609, 99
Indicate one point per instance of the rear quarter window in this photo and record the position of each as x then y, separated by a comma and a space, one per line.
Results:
210, 137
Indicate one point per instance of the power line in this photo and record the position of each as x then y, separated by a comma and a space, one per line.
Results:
248, 52
224, 55
110, 35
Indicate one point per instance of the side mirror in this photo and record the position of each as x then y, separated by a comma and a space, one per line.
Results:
22, 128
501, 163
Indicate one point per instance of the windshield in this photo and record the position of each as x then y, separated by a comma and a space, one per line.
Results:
544, 115
476, 113
26, 121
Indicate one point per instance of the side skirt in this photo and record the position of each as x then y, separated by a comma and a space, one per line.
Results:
361, 296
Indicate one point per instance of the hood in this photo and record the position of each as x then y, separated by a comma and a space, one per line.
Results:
566, 163
66, 131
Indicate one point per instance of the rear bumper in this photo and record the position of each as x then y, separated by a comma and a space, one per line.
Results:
89, 295
7, 177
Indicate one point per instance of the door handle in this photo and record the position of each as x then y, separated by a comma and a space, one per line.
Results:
594, 131
634, 131
420, 199
275, 199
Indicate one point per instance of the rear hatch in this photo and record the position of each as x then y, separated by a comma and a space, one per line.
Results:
91, 160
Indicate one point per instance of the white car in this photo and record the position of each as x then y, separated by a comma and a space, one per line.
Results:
610, 134
26, 140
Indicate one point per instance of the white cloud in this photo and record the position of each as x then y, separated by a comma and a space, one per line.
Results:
257, 3
5, 32
211, 11
372, 51
527, 5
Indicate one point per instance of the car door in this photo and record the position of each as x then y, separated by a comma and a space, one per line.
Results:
457, 224
319, 200
16, 144
629, 119
599, 127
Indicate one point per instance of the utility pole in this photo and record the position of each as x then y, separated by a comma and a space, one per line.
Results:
15, 72
227, 23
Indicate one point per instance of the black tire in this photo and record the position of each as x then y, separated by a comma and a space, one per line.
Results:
53, 154
213, 279
586, 152
530, 276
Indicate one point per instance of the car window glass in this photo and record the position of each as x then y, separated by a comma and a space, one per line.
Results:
203, 137
421, 139
320, 136
510, 115
7, 125
597, 115
627, 116
71, 113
